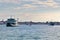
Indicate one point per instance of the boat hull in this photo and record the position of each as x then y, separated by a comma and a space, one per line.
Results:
10, 25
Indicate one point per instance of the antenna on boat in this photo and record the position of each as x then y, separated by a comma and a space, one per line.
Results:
11, 16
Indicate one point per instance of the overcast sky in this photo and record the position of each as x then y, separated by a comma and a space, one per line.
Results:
30, 10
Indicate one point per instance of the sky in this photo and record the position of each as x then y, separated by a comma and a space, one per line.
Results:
30, 10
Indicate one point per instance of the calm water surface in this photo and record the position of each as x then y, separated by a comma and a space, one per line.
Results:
26, 32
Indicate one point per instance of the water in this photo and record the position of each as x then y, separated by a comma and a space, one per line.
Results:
26, 32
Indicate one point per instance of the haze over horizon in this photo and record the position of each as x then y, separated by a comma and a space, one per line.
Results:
31, 10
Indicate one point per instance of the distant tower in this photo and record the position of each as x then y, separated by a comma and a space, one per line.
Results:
2, 20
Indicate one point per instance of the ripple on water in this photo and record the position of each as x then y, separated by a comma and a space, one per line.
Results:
34, 32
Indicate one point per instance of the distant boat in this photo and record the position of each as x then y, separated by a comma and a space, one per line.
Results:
11, 22
52, 23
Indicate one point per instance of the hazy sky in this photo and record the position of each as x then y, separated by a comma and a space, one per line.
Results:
31, 10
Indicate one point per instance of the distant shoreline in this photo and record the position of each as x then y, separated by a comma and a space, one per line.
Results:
33, 23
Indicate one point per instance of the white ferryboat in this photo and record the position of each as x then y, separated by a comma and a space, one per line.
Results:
11, 22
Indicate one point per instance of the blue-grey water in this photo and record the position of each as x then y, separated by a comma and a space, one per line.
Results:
33, 32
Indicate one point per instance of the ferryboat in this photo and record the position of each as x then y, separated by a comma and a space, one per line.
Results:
11, 22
